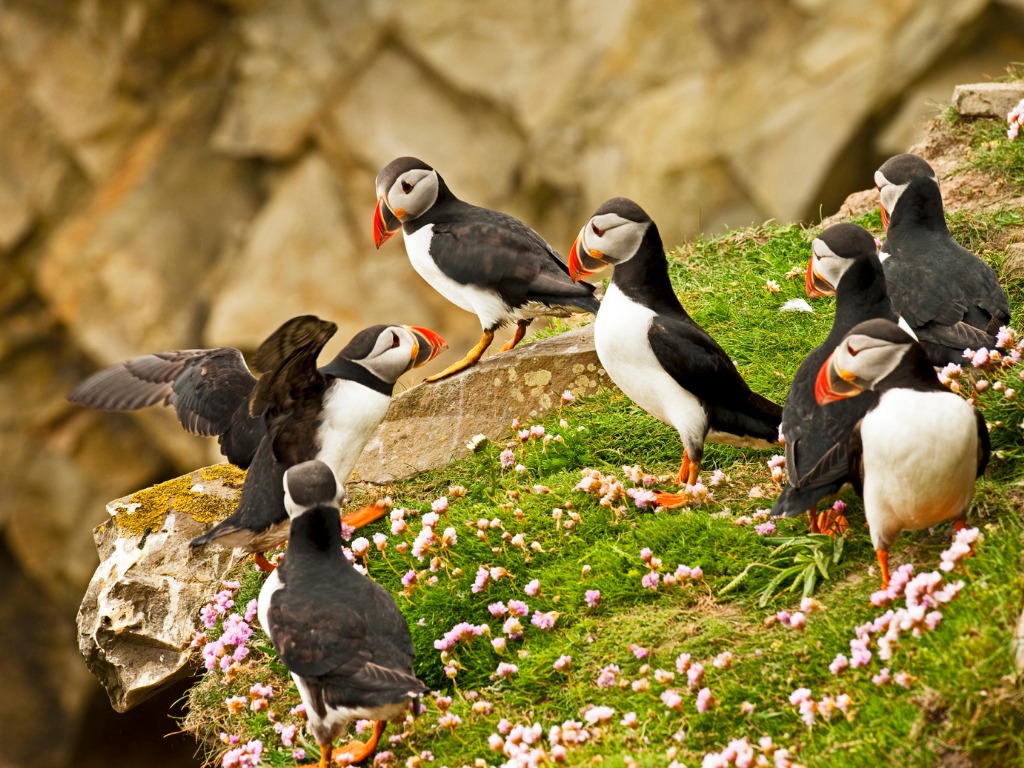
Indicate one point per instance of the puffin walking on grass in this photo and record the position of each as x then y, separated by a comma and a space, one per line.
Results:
844, 263
294, 412
949, 297
654, 351
484, 261
340, 634
917, 452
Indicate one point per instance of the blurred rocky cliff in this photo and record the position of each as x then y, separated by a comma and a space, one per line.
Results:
182, 173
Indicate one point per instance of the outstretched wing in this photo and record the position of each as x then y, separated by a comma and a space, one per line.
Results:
291, 385
208, 388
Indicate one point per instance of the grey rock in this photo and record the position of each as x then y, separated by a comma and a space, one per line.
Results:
987, 99
429, 425
141, 610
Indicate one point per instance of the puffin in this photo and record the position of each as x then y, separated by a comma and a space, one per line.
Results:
483, 261
654, 351
844, 263
949, 297
340, 634
294, 412
916, 453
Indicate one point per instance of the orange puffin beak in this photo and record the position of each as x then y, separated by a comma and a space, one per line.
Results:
385, 223
582, 264
815, 284
834, 384
881, 210
430, 345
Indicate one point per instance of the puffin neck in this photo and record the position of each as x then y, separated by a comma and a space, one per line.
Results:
914, 372
316, 532
920, 205
343, 368
644, 277
861, 293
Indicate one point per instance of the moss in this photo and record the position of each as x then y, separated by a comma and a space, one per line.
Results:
147, 508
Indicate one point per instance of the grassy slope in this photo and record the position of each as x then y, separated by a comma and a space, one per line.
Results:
964, 701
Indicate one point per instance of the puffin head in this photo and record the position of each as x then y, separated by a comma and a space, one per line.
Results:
832, 253
308, 485
406, 188
611, 236
894, 176
388, 351
866, 356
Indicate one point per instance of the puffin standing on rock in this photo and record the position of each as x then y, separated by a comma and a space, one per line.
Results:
484, 261
341, 635
917, 452
949, 297
294, 412
844, 263
654, 351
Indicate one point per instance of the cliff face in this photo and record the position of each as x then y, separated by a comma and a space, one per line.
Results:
180, 174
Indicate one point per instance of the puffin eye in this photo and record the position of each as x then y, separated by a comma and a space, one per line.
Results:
406, 186
394, 340
597, 230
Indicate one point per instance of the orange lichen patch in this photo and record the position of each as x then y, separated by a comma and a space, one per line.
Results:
207, 495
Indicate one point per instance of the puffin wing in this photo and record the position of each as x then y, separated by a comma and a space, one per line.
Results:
291, 386
699, 365
494, 250
208, 388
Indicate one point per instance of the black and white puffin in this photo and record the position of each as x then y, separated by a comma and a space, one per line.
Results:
654, 351
341, 635
915, 455
949, 297
484, 261
844, 263
294, 412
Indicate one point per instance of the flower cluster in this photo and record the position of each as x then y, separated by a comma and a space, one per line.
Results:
524, 746
924, 595
463, 631
826, 707
231, 647
653, 577
1015, 118
244, 756
741, 753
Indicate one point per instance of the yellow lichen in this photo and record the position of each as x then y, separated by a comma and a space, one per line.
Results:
148, 507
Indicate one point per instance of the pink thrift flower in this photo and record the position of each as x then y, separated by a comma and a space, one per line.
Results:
562, 663
518, 608
839, 663
765, 529
608, 676
593, 597
638, 650
497, 609
532, 589
650, 580
544, 621
507, 458
567, 396
705, 700
596, 715
506, 670
672, 699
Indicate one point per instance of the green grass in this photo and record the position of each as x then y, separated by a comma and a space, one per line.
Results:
964, 700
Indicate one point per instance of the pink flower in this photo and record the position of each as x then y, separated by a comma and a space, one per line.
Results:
596, 715
533, 588
505, 670
839, 663
765, 529
513, 628
704, 700
642, 497
439, 506
518, 608
593, 597
638, 650
567, 396
507, 458
537, 430
695, 675
497, 609
672, 699
562, 663
646, 554
650, 580
544, 621
608, 676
